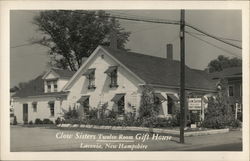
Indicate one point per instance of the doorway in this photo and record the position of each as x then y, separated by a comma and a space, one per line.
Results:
25, 113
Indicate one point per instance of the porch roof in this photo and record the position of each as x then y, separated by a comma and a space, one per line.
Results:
82, 99
117, 97
160, 96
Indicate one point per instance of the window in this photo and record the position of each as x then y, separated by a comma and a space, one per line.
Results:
118, 99
230, 91
34, 106
112, 73
49, 87
84, 101
113, 76
120, 104
170, 105
90, 74
86, 106
52, 108
55, 86
92, 80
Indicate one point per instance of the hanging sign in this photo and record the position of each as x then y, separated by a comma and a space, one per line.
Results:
194, 104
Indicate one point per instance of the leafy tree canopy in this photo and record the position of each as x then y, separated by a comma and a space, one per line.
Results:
73, 35
223, 62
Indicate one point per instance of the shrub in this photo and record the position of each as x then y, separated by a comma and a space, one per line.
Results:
236, 123
218, 114
148, 107
112, 114
47, 121
30, 122
71, 114
14, 121
72, 121
176, 118
58, 121
93, 113
102, 110
38, 121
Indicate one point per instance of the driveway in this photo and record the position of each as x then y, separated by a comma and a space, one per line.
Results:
54, 139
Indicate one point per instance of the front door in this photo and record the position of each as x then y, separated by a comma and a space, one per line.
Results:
25, 113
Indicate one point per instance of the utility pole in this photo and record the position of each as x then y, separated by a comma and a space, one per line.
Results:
182, 73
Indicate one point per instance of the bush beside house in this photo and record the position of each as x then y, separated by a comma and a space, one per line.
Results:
219, 114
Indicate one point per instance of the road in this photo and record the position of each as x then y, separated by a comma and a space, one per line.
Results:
28, 139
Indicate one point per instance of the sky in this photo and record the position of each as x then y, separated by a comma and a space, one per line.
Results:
29, 61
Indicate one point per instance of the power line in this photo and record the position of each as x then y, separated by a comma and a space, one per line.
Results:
21, 45
218, 47
142, 30
153, 20
174, 22
217, 36
212, 36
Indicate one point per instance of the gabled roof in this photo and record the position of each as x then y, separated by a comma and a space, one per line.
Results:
152, 70
60, 73
232, 72
35, 87
64, 73
161, 71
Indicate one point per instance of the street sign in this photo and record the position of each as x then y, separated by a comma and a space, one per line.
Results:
194, 104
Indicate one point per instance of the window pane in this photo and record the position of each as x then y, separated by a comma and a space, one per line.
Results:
52, 112
55, 87
114, 78
49, 88
91, 78
34, 107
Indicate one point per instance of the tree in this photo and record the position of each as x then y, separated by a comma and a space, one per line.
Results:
73, 35
148, 107
223, 62
14, 89
219, 114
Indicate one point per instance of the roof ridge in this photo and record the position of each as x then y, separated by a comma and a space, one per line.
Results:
139, 54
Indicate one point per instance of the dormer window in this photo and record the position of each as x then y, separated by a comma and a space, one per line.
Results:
49, 86
112, 73
52, 86
90, 74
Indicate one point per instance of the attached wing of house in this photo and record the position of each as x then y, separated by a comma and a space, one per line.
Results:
42, 97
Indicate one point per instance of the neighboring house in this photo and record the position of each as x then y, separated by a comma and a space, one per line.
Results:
115, 78
233, 76
42, 97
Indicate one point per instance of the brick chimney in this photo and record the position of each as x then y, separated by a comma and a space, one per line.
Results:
113, 39
169, 51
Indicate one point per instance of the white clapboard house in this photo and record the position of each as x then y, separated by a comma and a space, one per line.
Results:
112, 77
